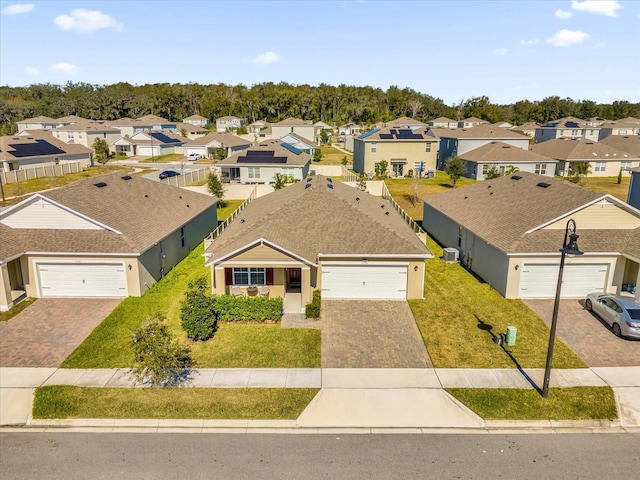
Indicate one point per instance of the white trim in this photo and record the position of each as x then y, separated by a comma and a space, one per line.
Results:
260, 263
36, 268
376, 255
83, 254
260, 241
549, 254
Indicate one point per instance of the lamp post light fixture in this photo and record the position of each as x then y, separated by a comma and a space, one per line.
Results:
569, 247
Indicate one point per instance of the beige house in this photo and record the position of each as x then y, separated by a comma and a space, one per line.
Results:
37, 123
567, 127
130, 126
228, 123
85, 132
35, 148
150, 143
443, 122
604, 161
623, 128
319, 235
304, 128
205, 145
509, 231
471, 122
404, 149
528, 129
108, 236
197, 120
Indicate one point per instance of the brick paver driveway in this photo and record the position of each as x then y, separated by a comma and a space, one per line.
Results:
587, 335
371, 334
45, 333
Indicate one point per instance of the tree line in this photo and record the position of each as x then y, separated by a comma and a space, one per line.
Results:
273, 102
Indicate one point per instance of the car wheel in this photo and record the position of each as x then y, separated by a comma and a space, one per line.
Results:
616, 330
588, 305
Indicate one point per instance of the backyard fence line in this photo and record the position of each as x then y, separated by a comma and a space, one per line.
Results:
187, 178
348, 175
216, 233
15, 176
417, 229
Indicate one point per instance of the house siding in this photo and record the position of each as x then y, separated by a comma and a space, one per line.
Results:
364, 159
600, 216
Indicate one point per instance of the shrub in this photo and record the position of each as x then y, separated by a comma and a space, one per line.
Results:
159, 359
312, 310
197, 312
247, 309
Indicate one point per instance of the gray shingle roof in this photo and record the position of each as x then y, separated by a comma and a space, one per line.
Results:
629, 144
266, 146
575, 149
226, 139
485, 130
311, 220
503, 152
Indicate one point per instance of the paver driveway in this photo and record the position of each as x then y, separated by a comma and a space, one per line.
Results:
371, 334
45, 333
587, 335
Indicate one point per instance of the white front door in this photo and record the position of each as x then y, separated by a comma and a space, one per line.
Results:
539, 280
379, 282
82, 279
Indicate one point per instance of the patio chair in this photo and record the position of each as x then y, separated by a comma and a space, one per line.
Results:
236, 292
263, 292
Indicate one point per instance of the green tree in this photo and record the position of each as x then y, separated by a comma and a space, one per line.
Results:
344, 161
511, 169
317, 155
361, 183
159, 359
324, 136
215, 187
493, 172
454, 167
183, 132
197, 312
619, 180
382, 171
101, 149
578, 171
279, 181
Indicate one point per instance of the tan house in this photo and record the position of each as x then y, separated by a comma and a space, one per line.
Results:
108, 236
85, 132
35, 148
130, 126
623, 128
197, 120
404, 149
567, 127
150, 143
443, 122
504, 158
528, 129
509, 231
37, 123
603, 160
228, 123
471, 122
319, 235
304, 128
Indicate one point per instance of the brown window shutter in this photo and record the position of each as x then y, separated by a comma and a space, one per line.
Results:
228, 276
269, 276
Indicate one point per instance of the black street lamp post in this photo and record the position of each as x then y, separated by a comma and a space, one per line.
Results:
569, 247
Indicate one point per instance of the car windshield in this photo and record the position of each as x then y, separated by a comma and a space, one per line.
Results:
634, 313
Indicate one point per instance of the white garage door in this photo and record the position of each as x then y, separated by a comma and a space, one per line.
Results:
82, 279
541, 280
364, 282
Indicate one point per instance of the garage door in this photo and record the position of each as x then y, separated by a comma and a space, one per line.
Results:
540, 280
82, 279
364, 282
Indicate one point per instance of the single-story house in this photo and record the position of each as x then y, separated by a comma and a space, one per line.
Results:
603, 160
257, 126
108, 236
320, 235
503, 156
299, 142
205, 146
528, 129
35, 148
350, 129
197, 120
191, 131
260, 163
509, 231
150, 143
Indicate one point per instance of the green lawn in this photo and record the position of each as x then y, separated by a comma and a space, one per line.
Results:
255, 345
457, 305
577, 403
199, 403
169, 157
401, 190
609, 185
13, 311
332, 156
228, 209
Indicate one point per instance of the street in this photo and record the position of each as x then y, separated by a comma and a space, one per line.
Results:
248, 456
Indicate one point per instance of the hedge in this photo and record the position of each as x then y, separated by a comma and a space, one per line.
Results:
312, 310
247, 309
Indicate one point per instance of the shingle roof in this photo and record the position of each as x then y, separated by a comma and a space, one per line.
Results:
442, 120
226, 139
293, 122
503, 152
86, 126
39, 119
144, 211
485, 130
574, 149
8, 145
228, 117
309, 221
405, 121
274, 146
306, 141
629, 144
195, 117
501, 210
190, 127
398, 134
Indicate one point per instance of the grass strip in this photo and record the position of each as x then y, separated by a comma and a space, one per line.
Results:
199, 403
575, 403
13, 311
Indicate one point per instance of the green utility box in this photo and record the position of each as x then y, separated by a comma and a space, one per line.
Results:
511, 336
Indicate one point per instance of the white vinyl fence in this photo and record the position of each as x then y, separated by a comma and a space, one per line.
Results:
187, 178
15, 176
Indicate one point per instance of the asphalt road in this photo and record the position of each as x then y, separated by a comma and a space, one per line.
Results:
253, 456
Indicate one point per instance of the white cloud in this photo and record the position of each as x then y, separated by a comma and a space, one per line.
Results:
87, 21
64, 68
566, 38
265, 58
563, 14
500, 52
528, 43
32, 72
599, 7
18, 8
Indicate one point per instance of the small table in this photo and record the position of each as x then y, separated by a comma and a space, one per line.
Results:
252, 291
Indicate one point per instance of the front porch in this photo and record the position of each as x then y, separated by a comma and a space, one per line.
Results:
12, 288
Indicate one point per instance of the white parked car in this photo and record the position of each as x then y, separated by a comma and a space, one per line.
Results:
622, 314
194, 156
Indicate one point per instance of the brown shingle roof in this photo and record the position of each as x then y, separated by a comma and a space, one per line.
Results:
83, 125
399, 134
269, 145
484, 131
293, 122
226, 139
9, 142
501, 210
503, 152
306, 141
190, 128
575, 149
318, 219
629, 144
39, 119
195, 117
405, 121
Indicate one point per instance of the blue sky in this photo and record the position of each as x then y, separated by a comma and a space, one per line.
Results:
453, 50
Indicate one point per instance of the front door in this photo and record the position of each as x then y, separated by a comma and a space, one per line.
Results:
295, 279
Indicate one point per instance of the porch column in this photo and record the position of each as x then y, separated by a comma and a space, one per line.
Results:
306, 290
5, 288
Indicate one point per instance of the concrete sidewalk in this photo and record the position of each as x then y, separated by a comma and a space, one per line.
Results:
361, 399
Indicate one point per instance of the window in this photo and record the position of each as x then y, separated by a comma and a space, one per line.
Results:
600, 166
625, 164
575, 133
374, 147
288, 172
249, 276
428, 147
253, 172
418, 167
182, 242
485, 169
622, 131
541, 168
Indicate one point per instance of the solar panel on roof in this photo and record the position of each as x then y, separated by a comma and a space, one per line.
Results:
261, 153
386, 136
572, 125
291, 148
370, 132
163, 138
41, 147
261, 159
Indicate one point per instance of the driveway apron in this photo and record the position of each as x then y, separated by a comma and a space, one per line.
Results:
45, 333
588, 336
371, 334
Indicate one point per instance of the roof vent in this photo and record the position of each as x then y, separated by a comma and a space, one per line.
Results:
386, 213
146, 196
307, 186
488, 186
516, 177
100, 184
242, 220
309, 179
126, 177
330, 186
543, 185
381, 206
357, 199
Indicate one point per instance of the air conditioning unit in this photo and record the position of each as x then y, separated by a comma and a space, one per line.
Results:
450, 255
